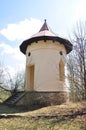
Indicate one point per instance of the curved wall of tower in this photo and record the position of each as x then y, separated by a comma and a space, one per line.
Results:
43, 69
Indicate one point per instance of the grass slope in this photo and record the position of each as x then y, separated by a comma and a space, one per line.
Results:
70, 116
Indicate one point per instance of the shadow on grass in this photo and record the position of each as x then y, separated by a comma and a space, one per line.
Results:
7, 109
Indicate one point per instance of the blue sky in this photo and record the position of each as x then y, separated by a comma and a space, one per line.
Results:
19, 19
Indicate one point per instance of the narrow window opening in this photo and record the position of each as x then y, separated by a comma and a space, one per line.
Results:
61, 71
32, 77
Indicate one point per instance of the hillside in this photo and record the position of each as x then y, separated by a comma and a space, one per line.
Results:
70, 116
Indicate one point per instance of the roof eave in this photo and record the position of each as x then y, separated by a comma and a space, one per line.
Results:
27, 42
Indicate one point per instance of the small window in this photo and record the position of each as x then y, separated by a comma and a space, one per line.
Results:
29, 54
61, 53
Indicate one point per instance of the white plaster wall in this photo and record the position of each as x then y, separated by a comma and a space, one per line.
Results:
45, 57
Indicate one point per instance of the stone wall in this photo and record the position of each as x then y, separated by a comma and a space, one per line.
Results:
44, 98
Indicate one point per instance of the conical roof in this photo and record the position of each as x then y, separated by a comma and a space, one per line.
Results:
45, 33
44, 27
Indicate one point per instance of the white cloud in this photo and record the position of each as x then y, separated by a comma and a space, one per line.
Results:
13, 59
22, 30
13, 51
6, 49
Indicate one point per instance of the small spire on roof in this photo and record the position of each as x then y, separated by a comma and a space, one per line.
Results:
45, 20
44, 27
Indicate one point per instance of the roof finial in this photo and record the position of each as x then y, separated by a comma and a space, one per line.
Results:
44, 26
45, 20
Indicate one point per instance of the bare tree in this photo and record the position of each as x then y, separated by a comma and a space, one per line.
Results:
11, 83
77, 68
3, 89
1, 75
18, 82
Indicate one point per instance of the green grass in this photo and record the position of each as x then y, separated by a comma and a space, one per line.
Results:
4, 95
27, 123
60, 117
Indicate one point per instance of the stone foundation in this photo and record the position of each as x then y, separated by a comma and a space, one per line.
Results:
44, 98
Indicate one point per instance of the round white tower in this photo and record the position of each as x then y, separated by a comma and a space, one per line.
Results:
45, 63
